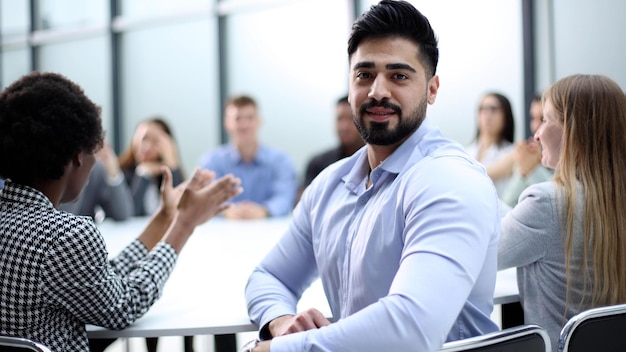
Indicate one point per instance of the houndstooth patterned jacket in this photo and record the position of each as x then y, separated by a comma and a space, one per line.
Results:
55, 276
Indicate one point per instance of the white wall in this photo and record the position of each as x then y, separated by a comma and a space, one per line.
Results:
480, 49
84, 61
171, 70
581, 36
292, 59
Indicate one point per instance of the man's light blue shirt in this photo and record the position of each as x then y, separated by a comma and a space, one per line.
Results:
269, 180
407, 264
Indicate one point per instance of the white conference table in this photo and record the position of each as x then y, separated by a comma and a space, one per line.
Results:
205, 293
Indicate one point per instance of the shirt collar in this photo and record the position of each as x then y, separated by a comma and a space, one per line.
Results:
409, 152
14, 192
399, 159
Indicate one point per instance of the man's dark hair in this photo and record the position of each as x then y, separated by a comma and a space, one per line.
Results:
45, 120
397, 19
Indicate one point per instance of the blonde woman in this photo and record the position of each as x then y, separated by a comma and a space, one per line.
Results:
566, 236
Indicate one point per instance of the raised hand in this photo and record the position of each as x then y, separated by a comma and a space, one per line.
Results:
196, 201
170, 196
167, 150
246, 210
107, 157
168, 225
203, 200
527, 157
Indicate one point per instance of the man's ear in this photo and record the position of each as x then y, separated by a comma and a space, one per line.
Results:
433, 88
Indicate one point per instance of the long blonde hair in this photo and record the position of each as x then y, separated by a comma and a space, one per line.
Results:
593, 153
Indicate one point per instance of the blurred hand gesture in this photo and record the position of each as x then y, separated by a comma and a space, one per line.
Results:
202, 200
199, 198
107, 157
246, 210
527, 156
170, 196
167, 150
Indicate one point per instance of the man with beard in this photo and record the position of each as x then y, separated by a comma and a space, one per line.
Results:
403, 234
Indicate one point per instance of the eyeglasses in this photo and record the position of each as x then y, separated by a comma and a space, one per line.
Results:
489, 108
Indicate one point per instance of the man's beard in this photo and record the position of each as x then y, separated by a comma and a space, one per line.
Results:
378, 133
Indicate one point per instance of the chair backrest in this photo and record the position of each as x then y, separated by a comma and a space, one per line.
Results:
18, 344
596, 329
523, 338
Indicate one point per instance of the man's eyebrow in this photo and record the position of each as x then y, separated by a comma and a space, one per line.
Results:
395, 66
400, 66
363, 64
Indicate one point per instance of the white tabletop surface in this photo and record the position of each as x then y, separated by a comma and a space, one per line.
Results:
205, 293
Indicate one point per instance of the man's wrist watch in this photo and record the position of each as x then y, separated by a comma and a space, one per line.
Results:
249, 347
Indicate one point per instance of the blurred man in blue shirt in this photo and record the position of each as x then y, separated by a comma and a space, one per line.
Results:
268, 176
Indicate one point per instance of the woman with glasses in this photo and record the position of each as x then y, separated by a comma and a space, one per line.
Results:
493, 144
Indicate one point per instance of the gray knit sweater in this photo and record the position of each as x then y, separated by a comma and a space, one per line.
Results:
532, 238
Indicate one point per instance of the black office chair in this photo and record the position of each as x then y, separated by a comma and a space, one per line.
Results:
19, 344
523, 338
596, 329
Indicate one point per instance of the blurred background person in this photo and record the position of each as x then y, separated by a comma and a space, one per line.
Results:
106, 194
527, 168
268, 175
349, 142
151, 147
494, 138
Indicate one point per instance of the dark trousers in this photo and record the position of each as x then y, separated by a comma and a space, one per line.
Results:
225, 343
99, 345
512, 315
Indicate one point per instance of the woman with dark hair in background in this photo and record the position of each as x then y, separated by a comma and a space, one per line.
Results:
494, 138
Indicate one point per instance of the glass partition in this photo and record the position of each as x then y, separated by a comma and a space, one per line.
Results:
86, 62
292, 59
172, 71
14, 19
15, 64
63, 14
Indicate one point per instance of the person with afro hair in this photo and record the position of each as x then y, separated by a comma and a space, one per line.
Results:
55, 273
